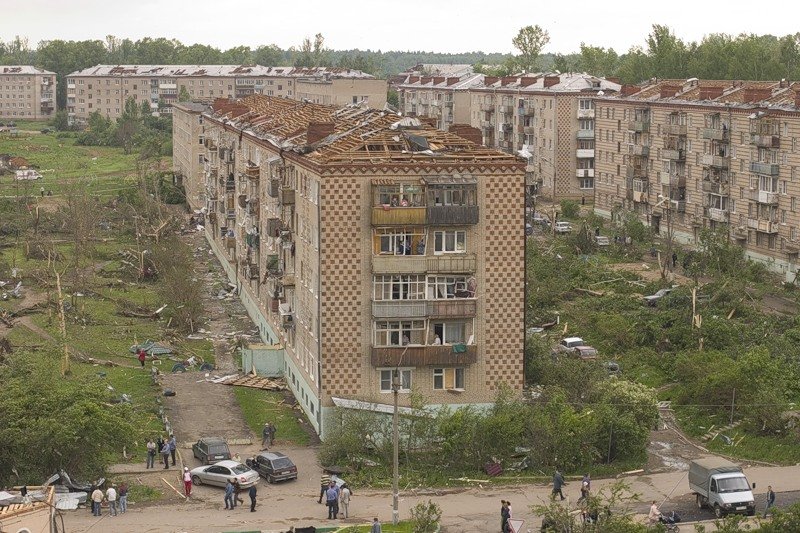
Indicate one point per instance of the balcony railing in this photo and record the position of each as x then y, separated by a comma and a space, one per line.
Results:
529, 130
399, 309
719, 161
639, 196
674, 155
584, 173
640, 150
452, 308
765, 141
636, 171
715, 187
411, 264
675, 129
769, 169
715, 134
287, 196
640, 126
487, 107
423, 355
764, 197
391, 216
585, 113
716, 214
585, 134
673, 178
585, 152
764, 226
445, 215
252, 172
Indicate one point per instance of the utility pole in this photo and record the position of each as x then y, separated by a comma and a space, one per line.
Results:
395, 449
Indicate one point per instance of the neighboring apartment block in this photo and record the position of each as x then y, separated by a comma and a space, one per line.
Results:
692, 154
363, 242
105, 88
27, 92
548, 118
444, 98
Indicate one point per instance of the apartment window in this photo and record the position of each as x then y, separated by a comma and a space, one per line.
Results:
449, 242
586, 104
446, 287
399, 332
448, 379
405, 379
399, 241
399, 195
453, 195
399, 287
450, 332
586, 183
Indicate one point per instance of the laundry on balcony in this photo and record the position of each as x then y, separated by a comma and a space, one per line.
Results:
459, 348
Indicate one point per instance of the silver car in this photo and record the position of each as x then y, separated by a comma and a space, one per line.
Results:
218, 474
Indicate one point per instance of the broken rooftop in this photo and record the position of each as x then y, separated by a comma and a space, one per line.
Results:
178, 71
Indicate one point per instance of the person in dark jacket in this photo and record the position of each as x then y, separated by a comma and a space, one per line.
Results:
558, 483
252, 493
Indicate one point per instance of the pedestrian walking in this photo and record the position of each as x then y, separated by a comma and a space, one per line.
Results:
586, 483
770, 500
123, 497
159, 442
41, 190
376, 526
173, 447
654, 516
558, 483
332, 500
151, 453
97, 500
165, 454
237, 489
265, 439
252, 493
272, 431
505, 515
344, 498
141, 355
111, 496
324, 482
187, 481
229, 502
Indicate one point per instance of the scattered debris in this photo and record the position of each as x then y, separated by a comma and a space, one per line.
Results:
256, 383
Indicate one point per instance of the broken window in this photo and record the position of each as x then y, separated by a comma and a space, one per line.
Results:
444, 287
448, 379
399, 241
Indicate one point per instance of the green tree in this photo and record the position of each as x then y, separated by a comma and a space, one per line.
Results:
668, 53
598, 61
183, 95
312, 54
60, 120
529, 41
268, 56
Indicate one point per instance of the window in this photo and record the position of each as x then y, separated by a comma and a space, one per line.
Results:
586, 183
399, 333
450, 332
399, 195
444, 287
399, 241
453, 195
448, 379
399, 287
405, 380
449, 242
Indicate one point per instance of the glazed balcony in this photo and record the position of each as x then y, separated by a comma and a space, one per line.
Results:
768, 169
449, 215
584, 153
438, 264
639, 196
636, 171
287, 196
418, 356
715, 187
385, 215
585, 113
584, 173
764, 197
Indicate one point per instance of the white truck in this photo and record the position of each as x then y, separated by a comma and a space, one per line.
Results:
721, 486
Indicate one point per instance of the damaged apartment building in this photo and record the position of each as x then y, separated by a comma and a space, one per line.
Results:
685, 155
363, 242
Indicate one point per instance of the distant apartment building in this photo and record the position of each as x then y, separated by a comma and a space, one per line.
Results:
443, 98
188, 150
685, 155
27, 92
105, 88
548, 118
364, 242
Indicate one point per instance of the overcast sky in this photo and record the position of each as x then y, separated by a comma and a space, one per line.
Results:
428, 25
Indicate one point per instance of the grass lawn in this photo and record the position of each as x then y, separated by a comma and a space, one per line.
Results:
259, 406
401, 527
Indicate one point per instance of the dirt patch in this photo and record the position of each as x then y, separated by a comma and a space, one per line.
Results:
669, 448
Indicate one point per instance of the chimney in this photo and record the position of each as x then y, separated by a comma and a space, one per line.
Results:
505, 80
465, 131
710, 93
629, 90
797, 100
757, 94
318, 131
413, 79
669, 91
490, 80
527, 80
438, 79
451, 81
549, 81
425, 79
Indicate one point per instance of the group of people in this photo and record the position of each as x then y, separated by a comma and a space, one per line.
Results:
166, 447
232, 490
113, 496
335, 495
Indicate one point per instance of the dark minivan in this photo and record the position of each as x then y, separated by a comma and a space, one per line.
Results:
209, 450
273, 466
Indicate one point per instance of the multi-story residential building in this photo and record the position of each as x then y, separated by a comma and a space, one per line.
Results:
27, 92
548, 118
364, 242
431, 69
692, 154
105, 88
446, 99
188, 155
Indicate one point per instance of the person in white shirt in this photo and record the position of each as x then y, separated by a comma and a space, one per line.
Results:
187, 481
344, 497
111, 496
654, 515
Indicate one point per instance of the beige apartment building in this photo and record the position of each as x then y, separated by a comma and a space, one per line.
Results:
188, 150
443, 98
27, 92
364, 242
105, 88
692, 154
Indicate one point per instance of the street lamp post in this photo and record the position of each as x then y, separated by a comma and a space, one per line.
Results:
395, 449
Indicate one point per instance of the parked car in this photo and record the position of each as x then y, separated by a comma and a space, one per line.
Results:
601, 240
47, 130
218, 474
653, 299
209, 450
572, 342
563, 227
587, 353
273, 466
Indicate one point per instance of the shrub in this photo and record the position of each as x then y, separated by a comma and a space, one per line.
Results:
425, 517
570, 209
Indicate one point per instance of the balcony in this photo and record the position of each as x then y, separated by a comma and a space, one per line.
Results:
636, 171
416, 264
585, 113
639, 196
675, 129
529, 130
252, 172
452, 308
715, 187
584, 173
273, 188
764, 197
398, 216
70, 86
507, 109
673, 155
764, 226
422, 356
678, 205
718, 161
399, 309
287, 196
585, 134
447, 215
639, 126
765, 141
715, 134
641, 150
716, 214
768, 169
230, 185
674, 179
585, 152
487, 108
